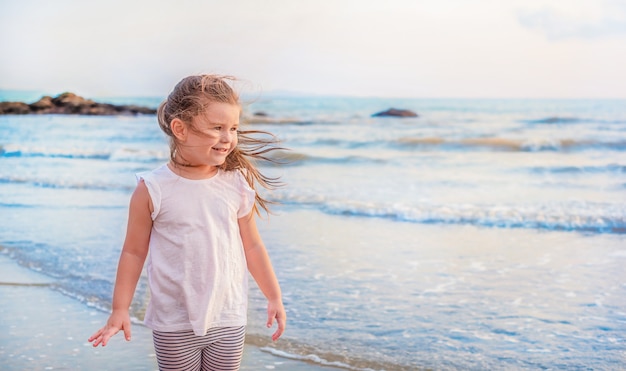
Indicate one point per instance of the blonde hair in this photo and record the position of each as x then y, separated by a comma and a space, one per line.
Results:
190, 98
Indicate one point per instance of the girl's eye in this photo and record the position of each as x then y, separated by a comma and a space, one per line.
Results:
234, 129
217, 128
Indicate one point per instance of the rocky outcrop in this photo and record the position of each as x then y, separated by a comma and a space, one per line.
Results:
72, 104
393, 112
14, 108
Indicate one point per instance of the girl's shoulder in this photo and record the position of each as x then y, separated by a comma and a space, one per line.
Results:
235, 175
154, 175
162, 170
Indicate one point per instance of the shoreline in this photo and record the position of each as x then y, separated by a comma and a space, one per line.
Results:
46, 330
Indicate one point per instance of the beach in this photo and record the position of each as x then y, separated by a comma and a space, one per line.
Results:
42, 329
485, 234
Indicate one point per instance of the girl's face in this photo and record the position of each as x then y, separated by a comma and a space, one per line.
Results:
212, 136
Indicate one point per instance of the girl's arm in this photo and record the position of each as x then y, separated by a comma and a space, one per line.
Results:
130, 265
261, 269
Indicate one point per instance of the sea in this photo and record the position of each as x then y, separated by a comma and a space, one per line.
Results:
484, 234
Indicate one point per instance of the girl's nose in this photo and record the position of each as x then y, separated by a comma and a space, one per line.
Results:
227, 135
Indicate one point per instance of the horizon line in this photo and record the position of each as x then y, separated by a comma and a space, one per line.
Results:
285, 93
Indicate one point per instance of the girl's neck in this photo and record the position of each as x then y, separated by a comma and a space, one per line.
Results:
193, 172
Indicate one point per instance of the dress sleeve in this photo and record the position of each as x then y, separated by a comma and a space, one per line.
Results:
153, 189
247, 196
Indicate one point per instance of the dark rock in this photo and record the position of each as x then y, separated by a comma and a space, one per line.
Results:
99, 110
72, 104
393, 112
42, 104
133, 109
14, 108
72, 100
261, 114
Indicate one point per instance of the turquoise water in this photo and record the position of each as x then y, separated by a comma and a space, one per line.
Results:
484, 234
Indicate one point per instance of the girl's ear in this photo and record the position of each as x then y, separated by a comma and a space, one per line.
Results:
179, 129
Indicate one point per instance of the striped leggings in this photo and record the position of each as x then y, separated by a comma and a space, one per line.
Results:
220, 349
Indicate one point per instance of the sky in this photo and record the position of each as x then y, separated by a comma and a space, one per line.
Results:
392, 48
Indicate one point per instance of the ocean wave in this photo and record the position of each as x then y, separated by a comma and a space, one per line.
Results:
582, 217
296, 350
262, 119
571, 120
507, 144
610, 168
555, 120
16, 151
336, 143
122, 154
292, 158
313, 358
60, 184
479, 143
16, 205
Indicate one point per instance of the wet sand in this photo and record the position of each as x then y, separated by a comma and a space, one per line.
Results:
42, 329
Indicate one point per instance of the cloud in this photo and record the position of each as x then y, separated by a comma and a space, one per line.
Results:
606, 20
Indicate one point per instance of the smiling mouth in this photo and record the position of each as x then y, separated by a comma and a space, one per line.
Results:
223, 150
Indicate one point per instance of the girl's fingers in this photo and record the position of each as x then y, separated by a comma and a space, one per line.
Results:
103, 336
278, 332
280, 321
270, 319
127, 332
96, 335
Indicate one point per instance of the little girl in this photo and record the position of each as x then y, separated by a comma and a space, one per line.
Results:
195, 215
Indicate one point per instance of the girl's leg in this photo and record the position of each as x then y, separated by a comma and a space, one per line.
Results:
178, 351
225, 349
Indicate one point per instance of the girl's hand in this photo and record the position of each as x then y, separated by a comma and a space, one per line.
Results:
119, 320
276, 310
